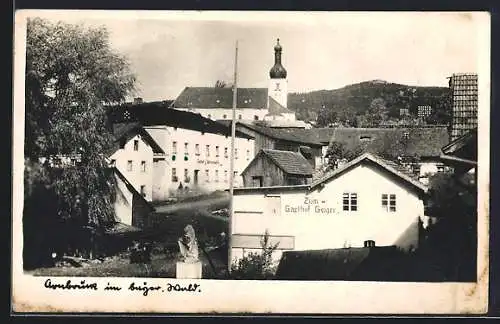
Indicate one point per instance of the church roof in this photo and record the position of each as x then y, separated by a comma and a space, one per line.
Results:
277, 71
212, 97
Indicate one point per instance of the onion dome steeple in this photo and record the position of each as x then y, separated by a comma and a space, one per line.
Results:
277, 71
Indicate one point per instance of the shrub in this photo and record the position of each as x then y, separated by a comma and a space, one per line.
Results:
256, 265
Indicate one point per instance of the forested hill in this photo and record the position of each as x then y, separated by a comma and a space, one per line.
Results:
326, 106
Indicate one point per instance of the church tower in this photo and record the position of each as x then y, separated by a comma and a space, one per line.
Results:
278, 82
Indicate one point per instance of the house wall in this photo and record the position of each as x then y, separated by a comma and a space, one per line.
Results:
218, 165
123, 202
316, 220
136, 176
223, 113
271, 174
159, 179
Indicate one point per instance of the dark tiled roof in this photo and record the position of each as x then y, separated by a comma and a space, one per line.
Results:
319, 135
389, 166
157, 113
277, 133
464, 147
290, 162
335, 264
421, 141
275, 108
211, 97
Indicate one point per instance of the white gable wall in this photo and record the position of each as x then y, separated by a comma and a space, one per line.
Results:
123, 202
317, 221
136, 176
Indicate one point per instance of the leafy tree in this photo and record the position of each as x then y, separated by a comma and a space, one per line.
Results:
451, 241
256, 265
338, 151
71, 74
376, 113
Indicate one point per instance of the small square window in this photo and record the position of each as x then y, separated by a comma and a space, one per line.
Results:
174, 175
389, 202
350, 201
136, 145
129, 165
143, 166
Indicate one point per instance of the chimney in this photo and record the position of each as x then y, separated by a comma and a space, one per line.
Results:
138, 101
369, 244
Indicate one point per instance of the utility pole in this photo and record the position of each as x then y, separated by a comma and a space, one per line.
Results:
231, 176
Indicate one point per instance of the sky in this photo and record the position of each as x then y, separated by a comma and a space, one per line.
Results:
172, 50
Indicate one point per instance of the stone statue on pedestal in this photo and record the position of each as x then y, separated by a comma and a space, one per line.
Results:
188, 245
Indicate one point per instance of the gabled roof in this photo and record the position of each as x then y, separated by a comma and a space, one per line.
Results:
276, 133
459, 143
367, 157
157, 113
131, 188
290, 162
463, 149
275, 108
319, 135
212, 97
124, 130
421, 141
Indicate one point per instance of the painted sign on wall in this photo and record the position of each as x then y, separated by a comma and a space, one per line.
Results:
310, 205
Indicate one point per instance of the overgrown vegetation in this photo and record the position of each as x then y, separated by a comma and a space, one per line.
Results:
369, 103
254, 265
71, 74
451, 240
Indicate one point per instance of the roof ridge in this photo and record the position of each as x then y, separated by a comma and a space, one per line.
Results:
374, 158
